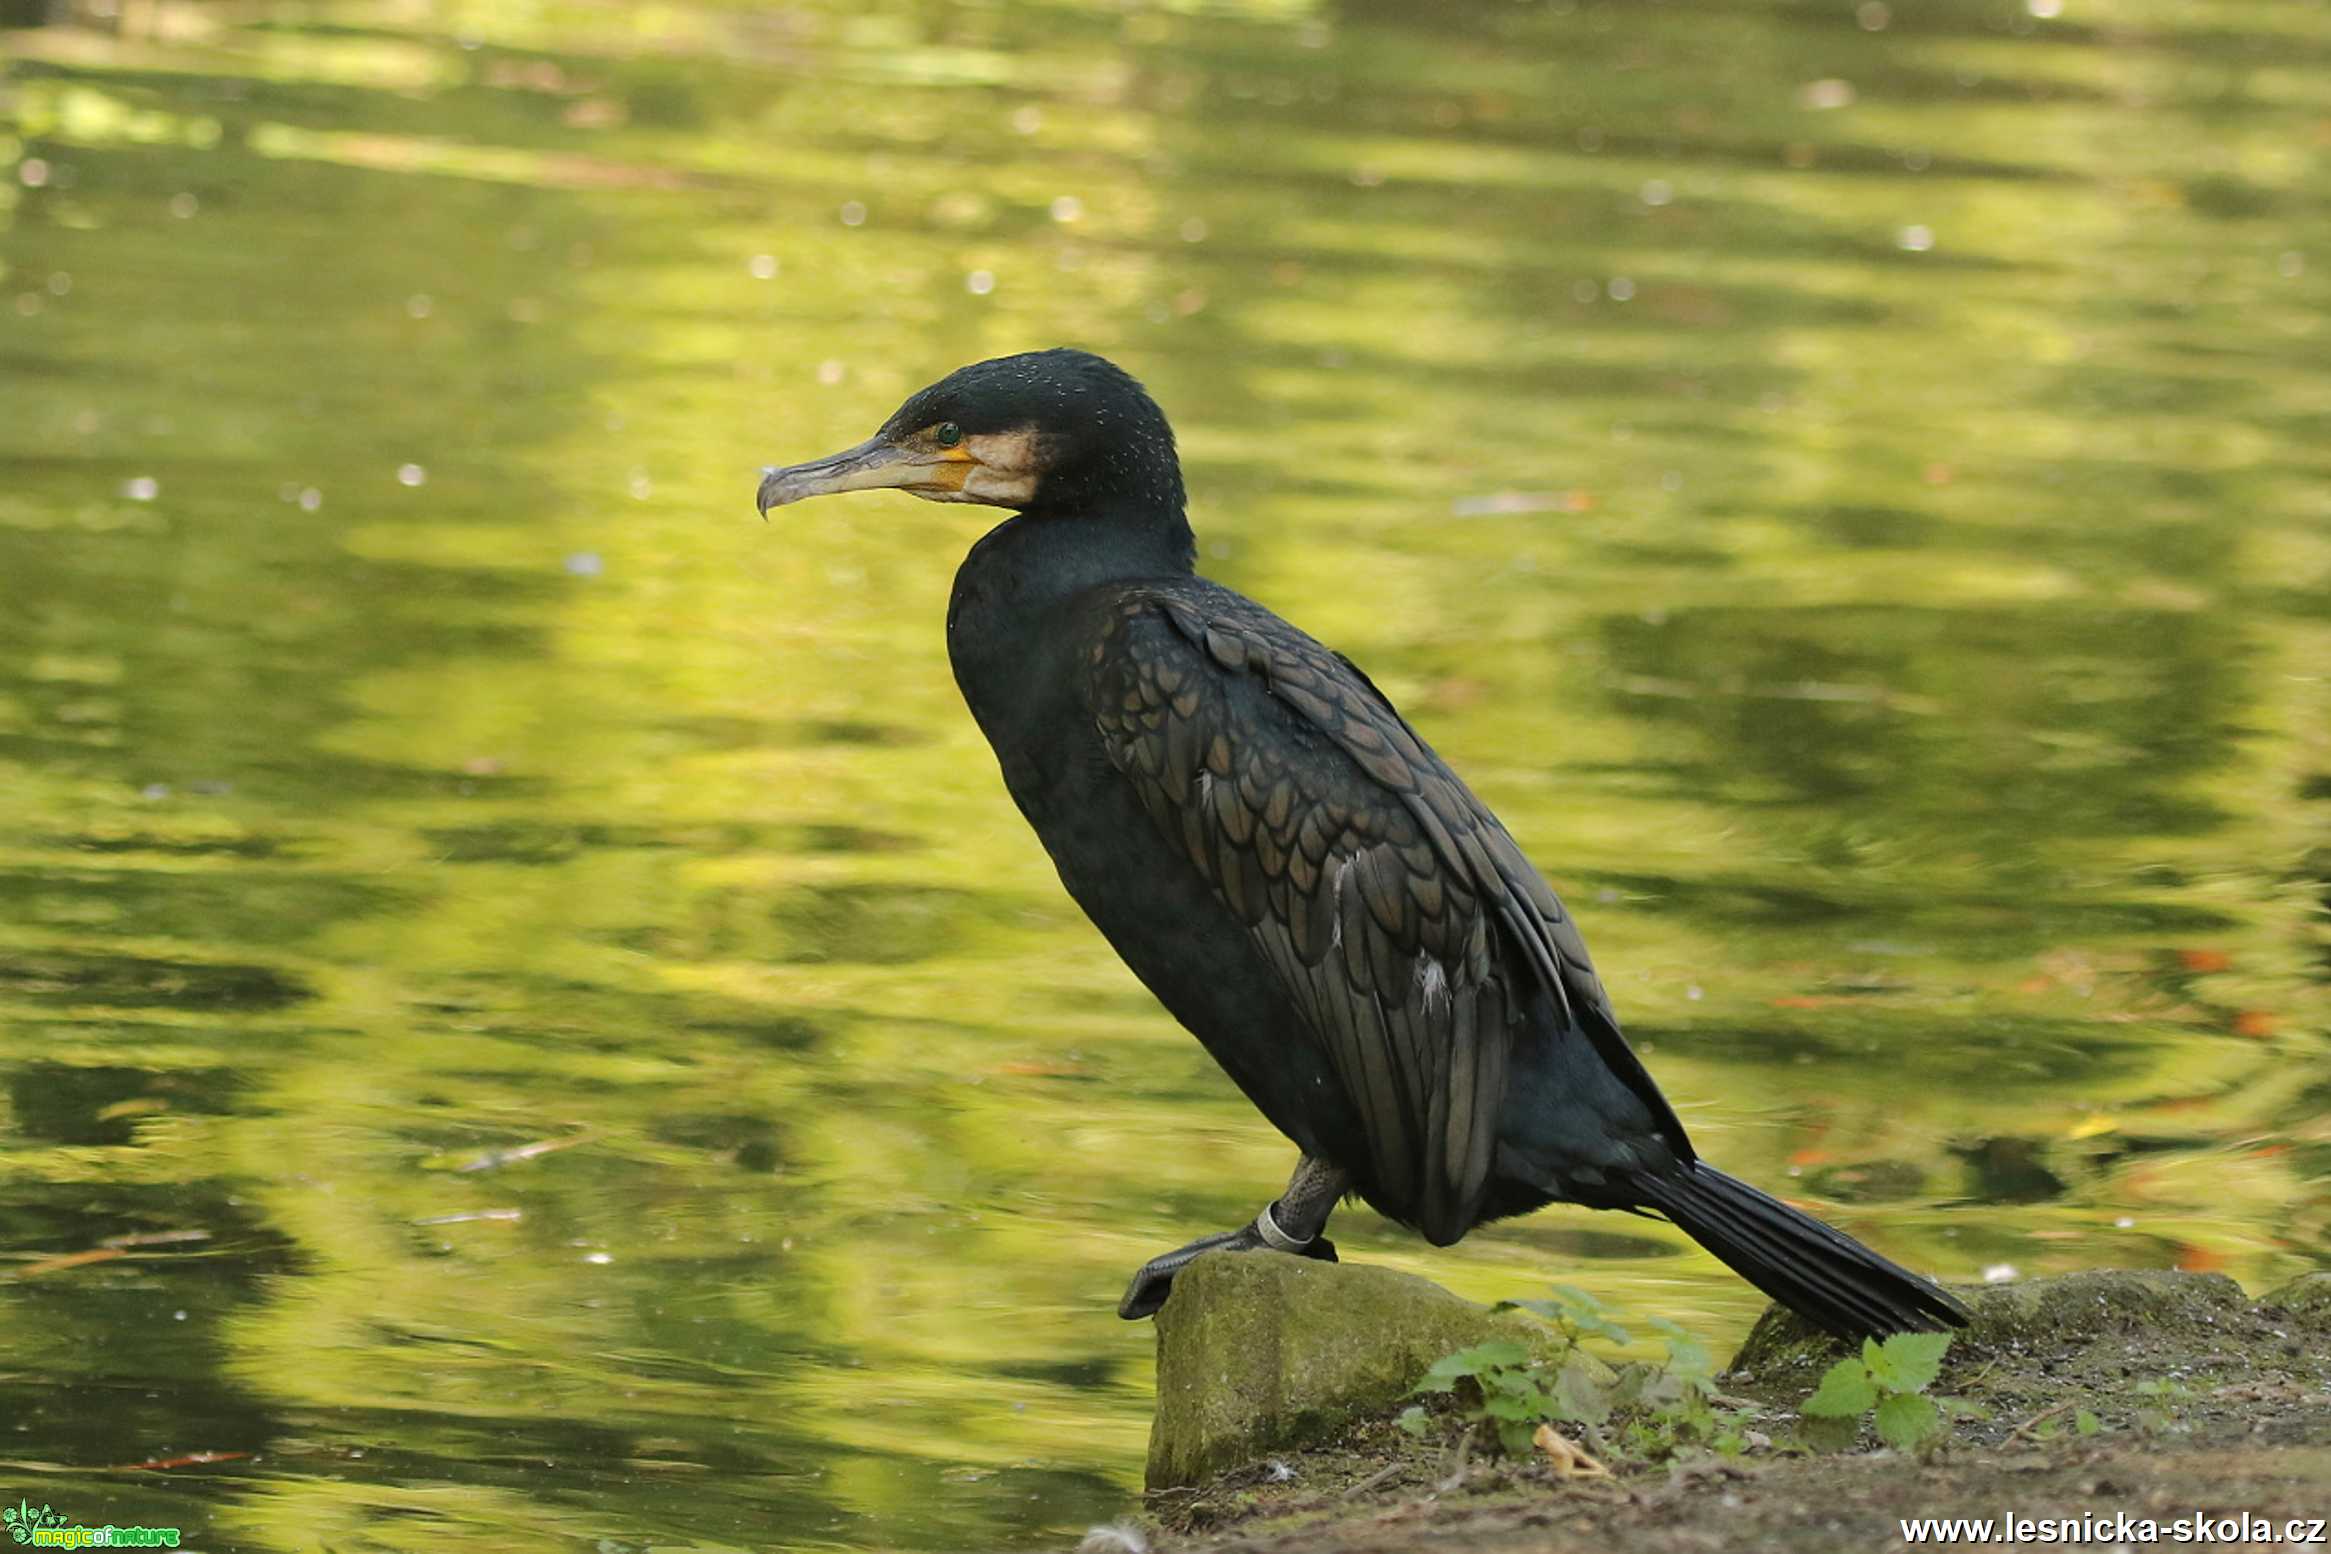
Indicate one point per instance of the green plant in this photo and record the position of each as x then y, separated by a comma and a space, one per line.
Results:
1675, 1405
1515, 1391
2167, 1397
1887, 1381
1650, 1411
1578, 1314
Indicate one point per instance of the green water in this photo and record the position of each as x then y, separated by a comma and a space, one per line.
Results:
1853, 488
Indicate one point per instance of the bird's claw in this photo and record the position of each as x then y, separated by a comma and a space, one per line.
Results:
1155, 1281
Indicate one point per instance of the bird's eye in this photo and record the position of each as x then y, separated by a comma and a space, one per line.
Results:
946, 434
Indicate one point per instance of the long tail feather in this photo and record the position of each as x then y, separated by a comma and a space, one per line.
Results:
1822, 1274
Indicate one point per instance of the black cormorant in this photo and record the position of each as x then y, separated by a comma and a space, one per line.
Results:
1295, 874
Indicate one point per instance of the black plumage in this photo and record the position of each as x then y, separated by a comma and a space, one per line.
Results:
1293, 872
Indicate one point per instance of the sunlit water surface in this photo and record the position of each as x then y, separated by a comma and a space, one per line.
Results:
527, 1018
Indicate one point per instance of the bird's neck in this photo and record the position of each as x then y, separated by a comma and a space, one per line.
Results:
1043, 557
1011, 591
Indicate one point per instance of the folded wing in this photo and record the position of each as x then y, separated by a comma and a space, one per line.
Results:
1398, 913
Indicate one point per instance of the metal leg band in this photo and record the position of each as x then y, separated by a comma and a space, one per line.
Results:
1273, 1237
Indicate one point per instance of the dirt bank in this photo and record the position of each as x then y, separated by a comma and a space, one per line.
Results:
2200, 1401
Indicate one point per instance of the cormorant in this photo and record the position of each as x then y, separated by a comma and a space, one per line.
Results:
1289, 868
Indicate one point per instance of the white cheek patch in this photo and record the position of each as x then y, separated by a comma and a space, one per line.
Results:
1004, 467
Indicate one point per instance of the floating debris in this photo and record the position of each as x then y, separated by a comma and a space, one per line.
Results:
192, 1459
155, 1238
69, 1260
495, 1158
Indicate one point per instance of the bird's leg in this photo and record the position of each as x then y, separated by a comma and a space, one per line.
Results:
1292, 1224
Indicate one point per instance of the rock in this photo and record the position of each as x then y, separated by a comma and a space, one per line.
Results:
2065, 1307
2104, 1300
1258, 1352
2307, 1297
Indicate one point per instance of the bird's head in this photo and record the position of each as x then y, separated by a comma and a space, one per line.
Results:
1056, 431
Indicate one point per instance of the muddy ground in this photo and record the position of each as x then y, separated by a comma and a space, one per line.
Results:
2204, 1402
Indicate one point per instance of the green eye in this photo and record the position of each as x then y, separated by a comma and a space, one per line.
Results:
947, 434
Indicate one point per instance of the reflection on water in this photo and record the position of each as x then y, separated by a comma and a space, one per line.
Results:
527, 1019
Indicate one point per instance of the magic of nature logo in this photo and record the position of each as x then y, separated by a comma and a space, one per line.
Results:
45, 1528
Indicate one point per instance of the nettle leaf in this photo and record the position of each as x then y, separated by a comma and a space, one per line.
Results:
1581, 1396
1498, 1351
1518, 1385
1585, 1313
1510, 1405
1412, 1420
1907, 1421
1687, 1359
2086, 1423
1846, 1392
1662, 1390
1451, 1368
1912, 1361
1638, 1379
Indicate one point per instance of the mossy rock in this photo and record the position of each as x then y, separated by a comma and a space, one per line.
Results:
2306, 1298
2065, 1308
1259, 1352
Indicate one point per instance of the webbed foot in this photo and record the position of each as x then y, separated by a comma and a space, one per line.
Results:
1155, 1281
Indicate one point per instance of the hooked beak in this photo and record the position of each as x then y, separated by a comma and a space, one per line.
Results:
874, 464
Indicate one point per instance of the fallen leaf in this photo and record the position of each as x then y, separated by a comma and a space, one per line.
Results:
1568, 1458
103, 1254
2255, 1022
191, 1460
2205, 960
155, 1238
